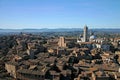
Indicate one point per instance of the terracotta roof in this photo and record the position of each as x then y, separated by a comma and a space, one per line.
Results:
54, 73
32, 67
27, 71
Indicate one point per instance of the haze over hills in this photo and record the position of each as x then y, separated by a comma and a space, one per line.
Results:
58, 30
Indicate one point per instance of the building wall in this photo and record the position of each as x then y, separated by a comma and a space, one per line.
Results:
30, 77
11, 69
102, 78
61, 42
98, 45
85, 33
30, 52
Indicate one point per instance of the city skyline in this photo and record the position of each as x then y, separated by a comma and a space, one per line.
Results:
38, 14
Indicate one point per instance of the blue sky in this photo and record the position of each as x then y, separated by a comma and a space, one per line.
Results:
19, 14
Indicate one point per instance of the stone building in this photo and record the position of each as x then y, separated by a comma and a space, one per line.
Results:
85, 34
11, 68
61, 42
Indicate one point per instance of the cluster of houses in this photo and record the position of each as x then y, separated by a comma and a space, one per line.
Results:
64, 59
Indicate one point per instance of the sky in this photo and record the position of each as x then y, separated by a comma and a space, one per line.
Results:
37, 14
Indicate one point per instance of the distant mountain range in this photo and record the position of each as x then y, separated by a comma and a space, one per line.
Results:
40, 30
56, 30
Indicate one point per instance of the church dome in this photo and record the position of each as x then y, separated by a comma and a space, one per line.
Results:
92, 37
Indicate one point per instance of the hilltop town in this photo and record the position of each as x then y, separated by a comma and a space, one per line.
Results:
85, 56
